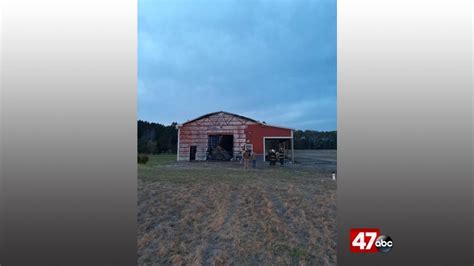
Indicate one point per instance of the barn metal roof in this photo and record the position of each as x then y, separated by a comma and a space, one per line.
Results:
215, 113
236, 115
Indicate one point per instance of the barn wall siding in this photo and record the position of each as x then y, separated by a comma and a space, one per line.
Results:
257, 132
196, 134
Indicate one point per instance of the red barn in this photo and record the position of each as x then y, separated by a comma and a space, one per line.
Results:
222, 136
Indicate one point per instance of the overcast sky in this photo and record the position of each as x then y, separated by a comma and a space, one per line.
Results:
273, 61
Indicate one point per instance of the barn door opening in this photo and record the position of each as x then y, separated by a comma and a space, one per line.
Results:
277, 144
220, 147
192, 153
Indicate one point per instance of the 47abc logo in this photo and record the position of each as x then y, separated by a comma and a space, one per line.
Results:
369, 240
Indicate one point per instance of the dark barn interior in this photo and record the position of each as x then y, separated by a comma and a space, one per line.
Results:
276, 144
220, 147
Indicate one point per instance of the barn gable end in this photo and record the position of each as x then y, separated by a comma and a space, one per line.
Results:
197, 131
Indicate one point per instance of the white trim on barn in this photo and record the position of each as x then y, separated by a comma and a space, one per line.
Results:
177, 150
277, 126
292, 148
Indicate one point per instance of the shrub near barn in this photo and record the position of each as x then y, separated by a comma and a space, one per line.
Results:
142, 159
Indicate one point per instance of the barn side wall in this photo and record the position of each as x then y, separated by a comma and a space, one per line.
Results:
196, 134
256, 132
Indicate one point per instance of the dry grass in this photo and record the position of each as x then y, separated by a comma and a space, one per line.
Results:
219, 214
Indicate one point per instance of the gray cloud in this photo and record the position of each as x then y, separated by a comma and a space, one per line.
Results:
271, 60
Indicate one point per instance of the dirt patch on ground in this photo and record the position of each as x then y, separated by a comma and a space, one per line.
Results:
219, 214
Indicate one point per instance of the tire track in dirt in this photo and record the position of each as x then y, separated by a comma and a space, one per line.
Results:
168, 218
214, 245
284, 215
197, 242
320, 218
234, 202
244, 228
310, 218
299, 225
281, 225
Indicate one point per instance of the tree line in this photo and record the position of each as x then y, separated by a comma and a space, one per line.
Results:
315, 140
154, 138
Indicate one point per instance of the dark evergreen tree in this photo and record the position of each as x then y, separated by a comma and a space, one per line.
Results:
156, 138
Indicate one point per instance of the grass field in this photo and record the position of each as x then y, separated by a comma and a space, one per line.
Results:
216, 213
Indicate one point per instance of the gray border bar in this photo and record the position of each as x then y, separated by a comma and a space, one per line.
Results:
405, 129
69, 132
2, 186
